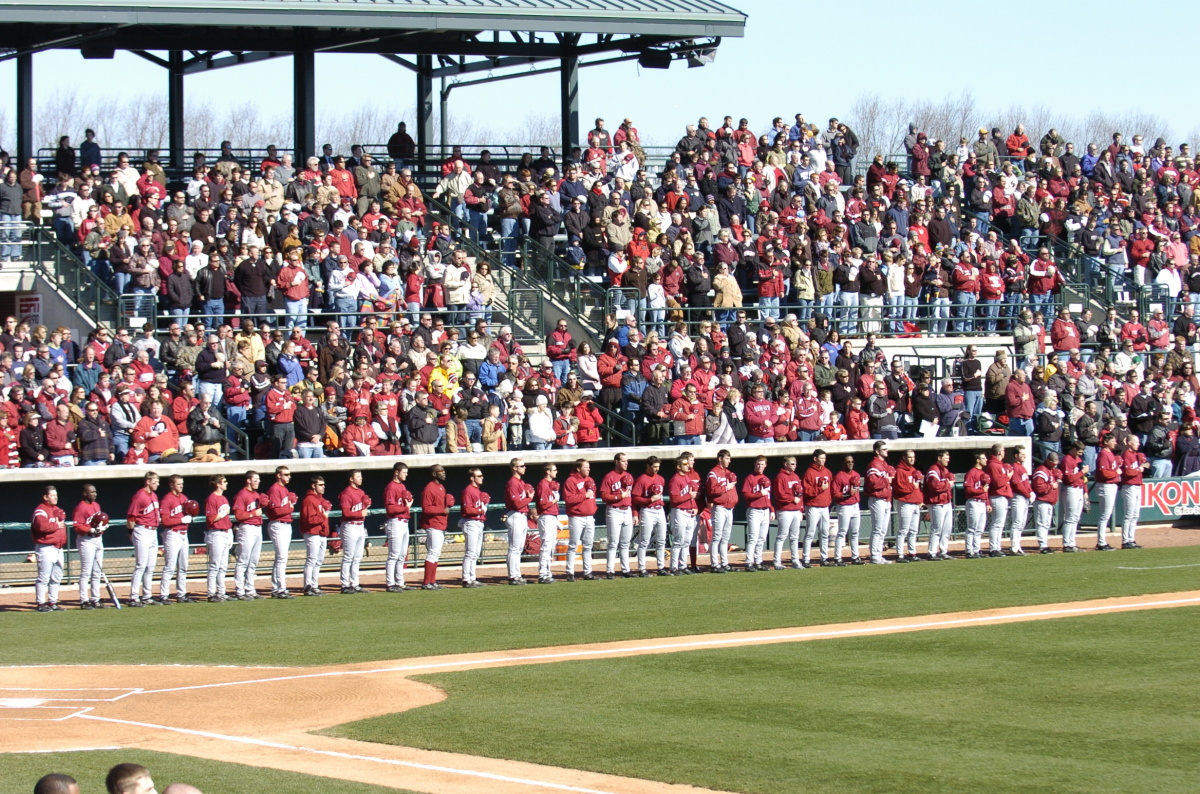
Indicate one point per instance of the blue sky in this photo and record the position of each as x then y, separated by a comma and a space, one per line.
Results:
1074, 57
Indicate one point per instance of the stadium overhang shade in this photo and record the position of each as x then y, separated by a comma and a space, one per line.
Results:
445, 38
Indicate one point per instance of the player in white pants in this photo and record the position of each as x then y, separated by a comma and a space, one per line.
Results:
758, 524
1074, 494
248, 509
880, 481
398, 502
1108, 474
685, 492
49, 530
1022, 499
683, 530
518, 495
579, 496
975, 486
142, 518
474, 513
910, 496
787, 497
354, 504
1133, 469
938, 488
89, 544
1044, 483
218, 537
547, 494
648, 494
756, 490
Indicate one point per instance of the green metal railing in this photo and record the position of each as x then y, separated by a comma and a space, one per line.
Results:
584, 297
74, 280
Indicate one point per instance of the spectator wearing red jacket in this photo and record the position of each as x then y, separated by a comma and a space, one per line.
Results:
975, 486
560, 349
1064, 334
1044, 484
911, 496
49, 529
1136, 332
590, 422
691, 412
1019, 405
281, 410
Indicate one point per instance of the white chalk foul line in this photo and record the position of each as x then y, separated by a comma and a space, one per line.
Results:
67, 750
350, 756
699, 644
1158, 567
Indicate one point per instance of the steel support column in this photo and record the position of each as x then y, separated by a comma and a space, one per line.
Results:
444, 114
25, 145
175, 112
304, 106
569, 98
424, 108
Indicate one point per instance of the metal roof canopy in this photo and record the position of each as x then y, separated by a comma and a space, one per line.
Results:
465, 36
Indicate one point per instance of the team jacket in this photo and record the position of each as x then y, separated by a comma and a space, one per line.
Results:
1072, 472
82, 514
247, 507
684, 490
721, 487
49, 526
143, 509
645, 488
474, 503
435, 505
938, 486
517, 495
1131, 467
280, 503
1108, 467
1000, 474
575, 491
908, 484
216, 512
879, 479
818, 487
757, 490
314, 515
397, 500
613, 488
788, 486
354, 503
847, 485
976, 484
1020, 481
546, 497
1045, 484
171, 509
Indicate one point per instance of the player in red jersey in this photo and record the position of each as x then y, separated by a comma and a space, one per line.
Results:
579, 494
143, 519
518, 496
975, 487
616, 489
756, 490
545, 496
88, 522
649, 491
684, 492
474, 512
354, 504
1044, 484
1133, 467
281, 503
248, 506
436, 502
720, 491
49, 529
218, 536
175, 521
397, 502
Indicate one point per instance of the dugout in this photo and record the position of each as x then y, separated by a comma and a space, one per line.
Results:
116, 485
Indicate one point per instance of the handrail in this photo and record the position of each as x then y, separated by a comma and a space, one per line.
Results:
580, 294
617, 428
59, 265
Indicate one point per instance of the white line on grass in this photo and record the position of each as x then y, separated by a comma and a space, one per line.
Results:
698, 644
349, 756
67, 750
1158, 567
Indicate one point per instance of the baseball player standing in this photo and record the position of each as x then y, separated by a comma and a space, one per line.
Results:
1074, 479
218, 537
474, 512
938, 488
517, 497
1133, 467
616, 489
880, 477
847, 492
1108, 476
354, 504
436, 502
648, 491
89, 523
314, 526
397, 501
248, 511
1021, 501
911, 497
975, 487
684, 492
49, 529
1046, 479
999, 495
143, 519
546, 499
720, 490
281, 503
579, 493
788, 496
756, 489
175, 519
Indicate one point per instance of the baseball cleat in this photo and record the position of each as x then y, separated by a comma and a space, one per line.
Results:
43, 608
54, 607
1130, 545
431, 586
86, 605
185, 599
903, 559
589, 577
134, 602
610, 575
1045, 550
545, 580
1104, 547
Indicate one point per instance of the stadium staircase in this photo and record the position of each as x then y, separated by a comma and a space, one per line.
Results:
50, 269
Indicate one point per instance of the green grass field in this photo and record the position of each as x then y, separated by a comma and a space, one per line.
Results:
1102, 703
18, 773
340, 629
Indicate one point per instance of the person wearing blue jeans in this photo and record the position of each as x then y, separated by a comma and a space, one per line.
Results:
964, 311
10, 232
256, 308
508, 241
848, 312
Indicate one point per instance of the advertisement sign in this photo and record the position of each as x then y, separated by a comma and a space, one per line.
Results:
29, 309
1163, 502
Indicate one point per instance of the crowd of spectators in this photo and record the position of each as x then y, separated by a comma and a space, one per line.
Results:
746, 261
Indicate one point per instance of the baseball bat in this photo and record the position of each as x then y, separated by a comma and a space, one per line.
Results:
112, 592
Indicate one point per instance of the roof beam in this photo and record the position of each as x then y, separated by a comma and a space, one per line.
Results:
63, 42
154, 59
235, 59
409, 65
